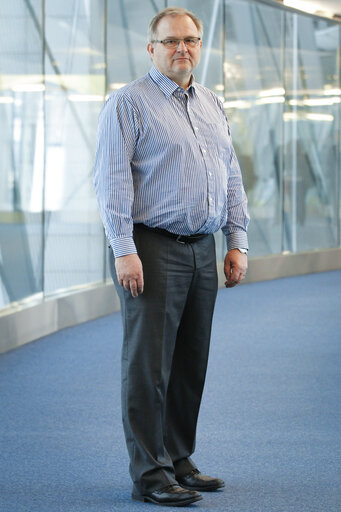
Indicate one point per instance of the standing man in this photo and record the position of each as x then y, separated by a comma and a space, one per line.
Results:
167, 178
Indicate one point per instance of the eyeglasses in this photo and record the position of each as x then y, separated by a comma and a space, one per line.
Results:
190, 42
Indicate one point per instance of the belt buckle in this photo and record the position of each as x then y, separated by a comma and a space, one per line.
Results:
180, 241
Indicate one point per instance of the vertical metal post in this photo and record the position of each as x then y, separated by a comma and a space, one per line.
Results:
129, 45
281, 152
210, 41
294, 137
223, 43
105, 57
43, 215
338, 148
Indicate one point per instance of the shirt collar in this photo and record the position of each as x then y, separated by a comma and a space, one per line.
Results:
167, 86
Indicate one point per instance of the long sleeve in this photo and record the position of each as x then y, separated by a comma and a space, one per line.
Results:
238, 218
113, 181
235, 228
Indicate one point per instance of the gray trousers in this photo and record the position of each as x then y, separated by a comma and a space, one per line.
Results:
164, 356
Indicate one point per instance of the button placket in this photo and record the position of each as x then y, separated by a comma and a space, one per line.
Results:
206, 160
194, 128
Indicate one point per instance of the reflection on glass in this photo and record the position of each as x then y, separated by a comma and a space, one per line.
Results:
75, 90
254, 98
282, 97
21, 151
310, 146
127, 40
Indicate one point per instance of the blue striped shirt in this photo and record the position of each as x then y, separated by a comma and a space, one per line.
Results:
165, 159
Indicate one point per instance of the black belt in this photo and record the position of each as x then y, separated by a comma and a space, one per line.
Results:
181, 239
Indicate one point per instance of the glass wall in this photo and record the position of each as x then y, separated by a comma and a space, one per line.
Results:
75, 90
282, 96
21, 150
277, 73
311, 133
254, 96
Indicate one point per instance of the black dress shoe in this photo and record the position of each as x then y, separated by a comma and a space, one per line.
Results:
169, 496
198, 482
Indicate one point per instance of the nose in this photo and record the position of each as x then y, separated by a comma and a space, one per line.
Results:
183, 47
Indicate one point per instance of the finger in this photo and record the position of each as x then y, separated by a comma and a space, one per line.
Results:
239, 277
238, 273
119, 279
230, 284
133, 288
227, 271
126, 285
140, 285
234, 278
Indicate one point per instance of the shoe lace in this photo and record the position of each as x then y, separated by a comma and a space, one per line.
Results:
194, 472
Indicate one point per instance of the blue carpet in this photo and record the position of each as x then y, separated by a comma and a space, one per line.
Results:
269, 425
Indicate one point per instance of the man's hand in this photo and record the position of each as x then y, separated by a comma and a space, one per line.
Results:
235, 267
129, 273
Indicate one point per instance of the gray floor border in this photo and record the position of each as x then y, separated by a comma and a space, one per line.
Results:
23, 323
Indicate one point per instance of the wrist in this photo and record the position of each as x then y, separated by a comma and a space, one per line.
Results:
240, 249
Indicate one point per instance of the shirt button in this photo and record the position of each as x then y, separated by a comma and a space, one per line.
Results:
204, 150
196, 128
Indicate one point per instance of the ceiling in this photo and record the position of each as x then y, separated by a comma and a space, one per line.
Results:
328, 6
333, 6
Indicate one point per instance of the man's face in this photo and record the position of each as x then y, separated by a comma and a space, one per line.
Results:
176, 63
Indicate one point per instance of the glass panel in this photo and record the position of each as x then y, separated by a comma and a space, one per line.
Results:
210, 70
254, 97
75, 89
21, 150
128, 22
311, 160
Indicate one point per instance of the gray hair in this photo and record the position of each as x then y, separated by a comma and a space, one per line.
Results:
172, 11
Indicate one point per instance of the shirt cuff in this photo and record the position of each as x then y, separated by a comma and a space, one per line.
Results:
123, 246
236, 240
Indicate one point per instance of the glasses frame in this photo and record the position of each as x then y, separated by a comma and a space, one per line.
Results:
165, 41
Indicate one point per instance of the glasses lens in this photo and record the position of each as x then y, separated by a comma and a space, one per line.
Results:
191, 42
171, 43
174, 43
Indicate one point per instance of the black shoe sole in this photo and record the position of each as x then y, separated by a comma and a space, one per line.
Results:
183, 503
202, 489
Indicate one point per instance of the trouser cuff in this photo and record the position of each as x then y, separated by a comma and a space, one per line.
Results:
183, 467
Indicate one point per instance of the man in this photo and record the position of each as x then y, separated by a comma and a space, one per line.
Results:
167, 178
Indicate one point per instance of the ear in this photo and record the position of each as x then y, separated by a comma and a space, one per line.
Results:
150, 50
